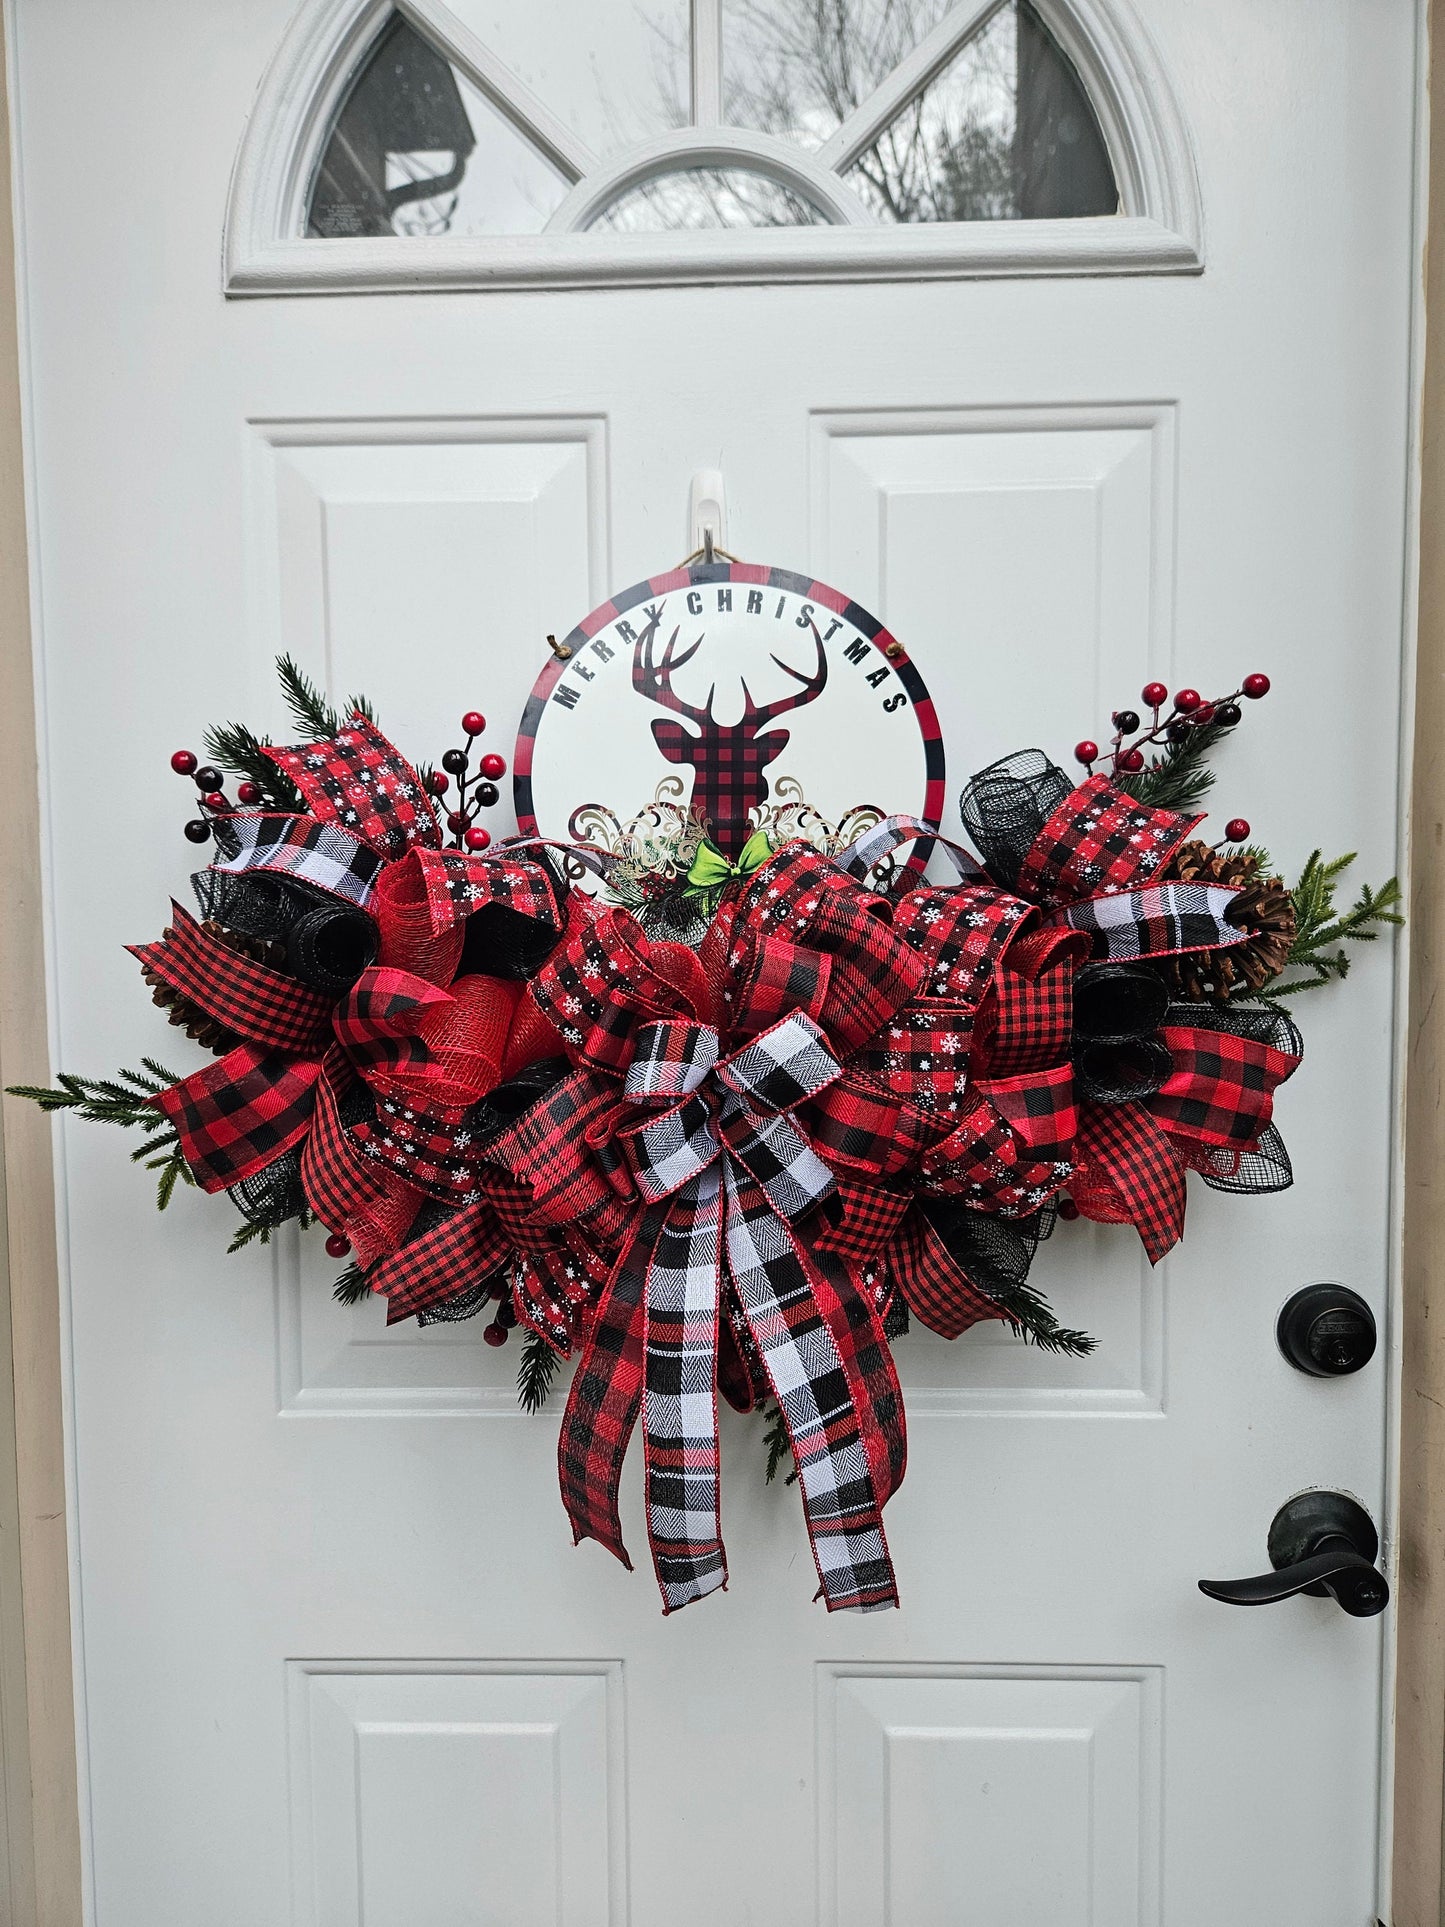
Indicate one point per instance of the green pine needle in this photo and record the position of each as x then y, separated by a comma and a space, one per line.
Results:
312, 714
1180, 778
104, 1100
352, 1286
536, 1372
1031, 1315
248, 1234
776, 1439
239, 750
1321, 929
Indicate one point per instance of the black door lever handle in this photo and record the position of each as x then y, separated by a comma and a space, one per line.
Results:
1322, 1543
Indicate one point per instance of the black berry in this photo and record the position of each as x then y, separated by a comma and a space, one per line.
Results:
1179, 732
206, 778
198, 830
1126, 720
486, 794
455, 760
1227, 715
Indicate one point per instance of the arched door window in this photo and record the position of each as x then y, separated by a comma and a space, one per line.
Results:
734, 139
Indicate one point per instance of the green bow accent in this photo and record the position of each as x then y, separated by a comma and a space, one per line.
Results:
711, 871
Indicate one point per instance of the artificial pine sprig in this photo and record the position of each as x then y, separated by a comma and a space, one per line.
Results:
1179, 778
352, 1286
535, 1373
239, 750
776, 1439
1321, 930
104, 1100
1032, 1317
313, 715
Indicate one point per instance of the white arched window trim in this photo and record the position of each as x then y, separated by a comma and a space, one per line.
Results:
1158, 230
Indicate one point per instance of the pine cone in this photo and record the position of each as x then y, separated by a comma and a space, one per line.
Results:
199, 1024
1263, 907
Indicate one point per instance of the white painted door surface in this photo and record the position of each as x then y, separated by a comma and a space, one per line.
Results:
337, 1659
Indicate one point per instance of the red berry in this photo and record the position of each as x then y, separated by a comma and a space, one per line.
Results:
1236, 830
1155, 694
214, 800
338, 1246
493, 766
1255, 686
456, 822
437, 783
1086, 752
1131, 760
495, 1334
1066, 1208
1204, 713
184, 762
474, 722
249, 793
477, 839
1188, 699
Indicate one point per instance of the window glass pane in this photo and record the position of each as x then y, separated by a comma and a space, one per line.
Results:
798, 68
418, 150
614, 71
707, 197
1004, 133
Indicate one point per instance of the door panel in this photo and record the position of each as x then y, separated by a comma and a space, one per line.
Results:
340, 1662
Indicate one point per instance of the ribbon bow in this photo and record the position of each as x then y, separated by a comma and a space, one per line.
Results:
695, 1143
726, 1178
427, 1042
711, 870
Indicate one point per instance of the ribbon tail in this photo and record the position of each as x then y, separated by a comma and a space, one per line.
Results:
817, 1397
935, 1286
605, 1398
680, 1439
857, 1327
1136, 1156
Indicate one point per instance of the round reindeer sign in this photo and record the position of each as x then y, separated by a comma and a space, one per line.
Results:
731, 689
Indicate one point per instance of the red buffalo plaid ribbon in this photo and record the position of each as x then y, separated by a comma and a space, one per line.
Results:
1219, 1098
361, 782
1094, 868
720, 1140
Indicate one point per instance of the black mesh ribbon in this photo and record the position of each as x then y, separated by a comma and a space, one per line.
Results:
330, 945
1118, 1056
1005, 806
994, 1253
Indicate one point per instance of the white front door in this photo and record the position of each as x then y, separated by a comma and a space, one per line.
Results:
338, 1661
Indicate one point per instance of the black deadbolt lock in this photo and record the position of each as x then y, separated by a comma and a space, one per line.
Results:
1327, 1331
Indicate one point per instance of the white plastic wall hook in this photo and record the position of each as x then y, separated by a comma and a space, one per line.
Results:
707, 511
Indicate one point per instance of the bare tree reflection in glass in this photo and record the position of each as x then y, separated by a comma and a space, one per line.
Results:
707, 197
1004, 131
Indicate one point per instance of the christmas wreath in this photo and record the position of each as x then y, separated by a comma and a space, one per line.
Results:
717, 1120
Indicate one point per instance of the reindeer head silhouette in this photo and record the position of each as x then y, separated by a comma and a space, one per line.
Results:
727, 759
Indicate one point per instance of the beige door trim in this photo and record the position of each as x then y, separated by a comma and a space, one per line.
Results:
40, 1879
1419, 1803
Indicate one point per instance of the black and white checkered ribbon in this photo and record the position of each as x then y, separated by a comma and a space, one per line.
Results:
1158, 920
868, 850
727, 1175
301, 847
